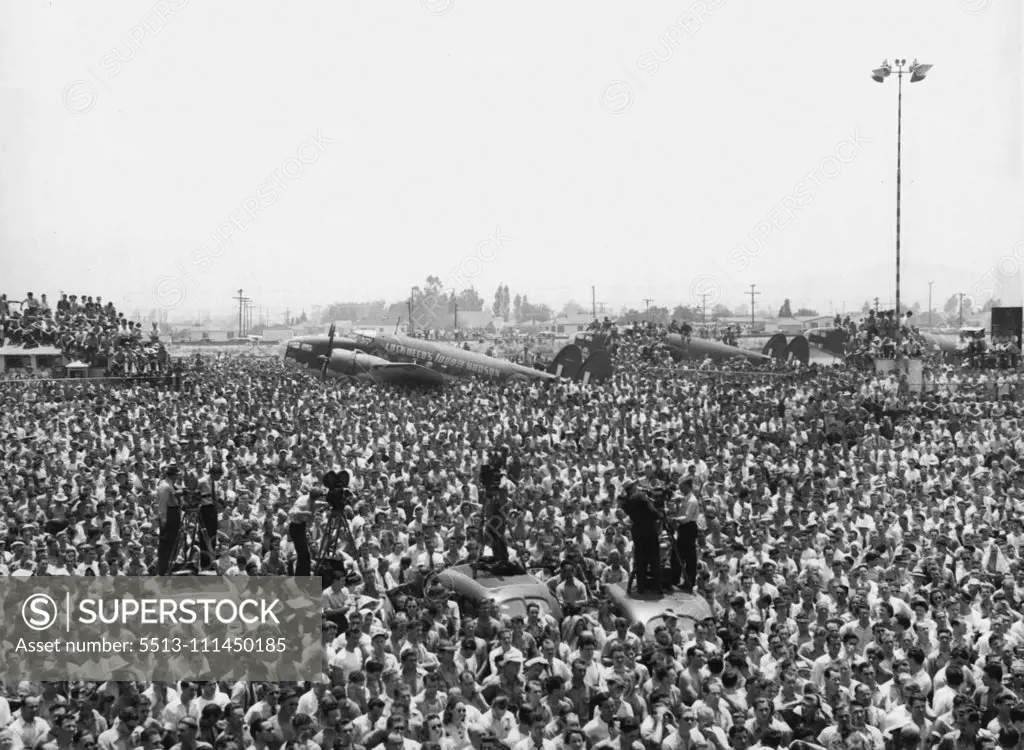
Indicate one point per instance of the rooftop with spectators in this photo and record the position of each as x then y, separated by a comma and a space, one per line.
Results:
82, 330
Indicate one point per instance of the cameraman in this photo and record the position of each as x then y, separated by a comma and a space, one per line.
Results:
299, 517
495, 489
169, 513
646, 547
684, 562
494, 521
208, 523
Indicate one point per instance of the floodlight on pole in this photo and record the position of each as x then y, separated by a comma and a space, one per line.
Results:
917, 73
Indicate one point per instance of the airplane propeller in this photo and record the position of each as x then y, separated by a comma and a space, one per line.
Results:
327, 359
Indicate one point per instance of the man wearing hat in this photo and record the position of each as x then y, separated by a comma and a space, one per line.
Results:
646, 544
169, 515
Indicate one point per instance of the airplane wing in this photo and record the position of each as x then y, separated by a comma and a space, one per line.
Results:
406, 373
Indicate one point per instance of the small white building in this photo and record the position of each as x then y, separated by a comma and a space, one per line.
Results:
789, 326
818, 321
277, 334
570, 324
198, 335
37, 358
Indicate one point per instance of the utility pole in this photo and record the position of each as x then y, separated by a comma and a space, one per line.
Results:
455, 308
704, 308
753, 303
593, 302
876, 305
412, 293
930, 302
648, 301
961, 309
240, 299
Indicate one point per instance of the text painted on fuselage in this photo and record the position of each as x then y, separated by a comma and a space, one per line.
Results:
439, 359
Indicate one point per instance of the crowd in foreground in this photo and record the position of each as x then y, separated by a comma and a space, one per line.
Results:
859, 549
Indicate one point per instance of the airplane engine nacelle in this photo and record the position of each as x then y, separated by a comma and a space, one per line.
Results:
346, 362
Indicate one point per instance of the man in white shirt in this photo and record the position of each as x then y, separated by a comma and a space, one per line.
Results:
28, 728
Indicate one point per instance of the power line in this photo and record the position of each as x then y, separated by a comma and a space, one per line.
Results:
704, 307
241, 299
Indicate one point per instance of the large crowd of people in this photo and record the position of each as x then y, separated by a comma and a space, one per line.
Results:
858, 545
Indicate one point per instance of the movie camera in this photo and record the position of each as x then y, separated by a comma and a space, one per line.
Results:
191, 496
337, 497
338, 494
493, 472
660, 494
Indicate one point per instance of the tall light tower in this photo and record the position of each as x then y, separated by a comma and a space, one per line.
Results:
917, 73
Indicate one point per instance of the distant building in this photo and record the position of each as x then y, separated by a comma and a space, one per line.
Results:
817, 321
203, 335
760, 324
378, 324
570, 324
277, 334
36, 358
786, 325
478, 319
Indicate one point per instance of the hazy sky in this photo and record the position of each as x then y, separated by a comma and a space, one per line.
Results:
349, 149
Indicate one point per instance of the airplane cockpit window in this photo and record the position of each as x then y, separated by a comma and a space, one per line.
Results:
306, 347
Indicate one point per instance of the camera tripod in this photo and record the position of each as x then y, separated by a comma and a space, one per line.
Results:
190, 532
338, 497
337, 525
668, 530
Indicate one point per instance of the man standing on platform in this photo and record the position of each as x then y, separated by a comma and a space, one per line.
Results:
646, 548
687, 531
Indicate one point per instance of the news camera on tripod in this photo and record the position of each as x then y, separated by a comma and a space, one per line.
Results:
335, 496
187, 511
646, 531
646, 507
491, 476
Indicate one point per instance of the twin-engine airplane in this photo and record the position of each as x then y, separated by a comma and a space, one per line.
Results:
391, 358
698, 349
